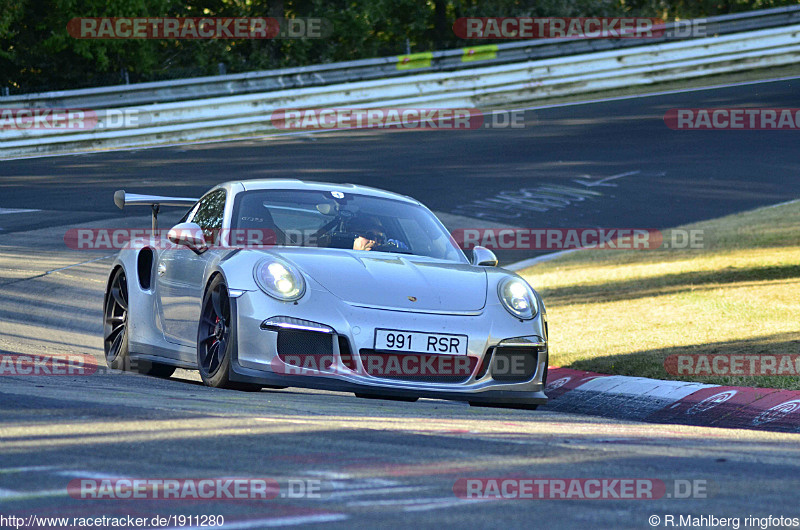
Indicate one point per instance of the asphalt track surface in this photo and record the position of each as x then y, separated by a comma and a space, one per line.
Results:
376, 462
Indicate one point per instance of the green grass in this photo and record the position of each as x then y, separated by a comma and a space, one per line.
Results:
624, 312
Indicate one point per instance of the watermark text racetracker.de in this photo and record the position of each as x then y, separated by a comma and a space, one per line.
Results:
23, 119
49, 119
396, 118
553, 239
575, 28
599, 488
202, 28
546, 239
736, 119
700, 364
72, 364
137, 238
193, 489
391, 365
76, 364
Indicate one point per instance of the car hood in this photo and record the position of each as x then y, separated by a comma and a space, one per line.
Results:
391, 281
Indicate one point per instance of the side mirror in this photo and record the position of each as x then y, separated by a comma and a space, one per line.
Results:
483, 257
189, 235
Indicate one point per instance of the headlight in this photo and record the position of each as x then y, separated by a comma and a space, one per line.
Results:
518, 298
279, 279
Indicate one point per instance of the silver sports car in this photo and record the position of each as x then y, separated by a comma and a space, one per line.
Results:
277, 283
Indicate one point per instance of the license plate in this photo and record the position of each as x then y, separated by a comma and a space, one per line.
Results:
393, 340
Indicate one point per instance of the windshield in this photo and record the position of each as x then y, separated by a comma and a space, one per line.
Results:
326, 219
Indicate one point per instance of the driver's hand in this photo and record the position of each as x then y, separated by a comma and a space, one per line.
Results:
362, 243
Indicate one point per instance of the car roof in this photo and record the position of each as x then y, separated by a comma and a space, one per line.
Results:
296, 184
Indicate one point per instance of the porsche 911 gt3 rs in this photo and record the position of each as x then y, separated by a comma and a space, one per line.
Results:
278, 283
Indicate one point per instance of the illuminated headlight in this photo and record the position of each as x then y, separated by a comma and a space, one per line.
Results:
518, 298
279, 279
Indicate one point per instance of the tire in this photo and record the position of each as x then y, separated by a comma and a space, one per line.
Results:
216, 338
115, 332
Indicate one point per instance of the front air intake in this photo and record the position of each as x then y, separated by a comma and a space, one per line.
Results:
514, 364
295, 342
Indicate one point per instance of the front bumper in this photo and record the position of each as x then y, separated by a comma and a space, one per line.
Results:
500, 372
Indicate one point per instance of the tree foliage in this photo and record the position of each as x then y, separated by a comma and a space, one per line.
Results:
37, 53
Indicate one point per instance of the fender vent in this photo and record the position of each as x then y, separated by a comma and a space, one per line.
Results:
144, 268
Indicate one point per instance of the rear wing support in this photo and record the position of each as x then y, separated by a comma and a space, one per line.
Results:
122, 199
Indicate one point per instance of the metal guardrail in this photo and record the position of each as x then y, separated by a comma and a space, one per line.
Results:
250, 114
380, 68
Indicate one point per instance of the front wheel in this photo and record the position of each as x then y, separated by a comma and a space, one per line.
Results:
215, 338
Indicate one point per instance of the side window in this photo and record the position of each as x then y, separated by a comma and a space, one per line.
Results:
209, 215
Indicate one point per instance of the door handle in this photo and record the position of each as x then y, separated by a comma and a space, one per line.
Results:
162, 269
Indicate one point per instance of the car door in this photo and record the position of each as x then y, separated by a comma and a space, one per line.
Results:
181, 272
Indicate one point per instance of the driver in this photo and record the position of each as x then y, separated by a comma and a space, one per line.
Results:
370, 233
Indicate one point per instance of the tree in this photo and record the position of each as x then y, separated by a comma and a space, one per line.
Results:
37, 53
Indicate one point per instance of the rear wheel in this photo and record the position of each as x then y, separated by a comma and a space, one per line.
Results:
215, 338
115, 332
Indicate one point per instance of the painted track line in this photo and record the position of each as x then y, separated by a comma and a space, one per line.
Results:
14, 496
26, 469
5, 211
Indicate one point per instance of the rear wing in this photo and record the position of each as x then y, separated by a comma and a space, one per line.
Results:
122, 199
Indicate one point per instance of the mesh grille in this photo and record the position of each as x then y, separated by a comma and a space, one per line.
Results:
514, 364
294, 342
